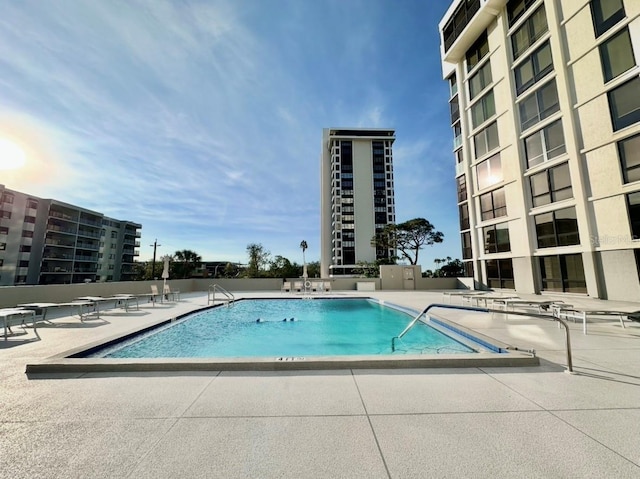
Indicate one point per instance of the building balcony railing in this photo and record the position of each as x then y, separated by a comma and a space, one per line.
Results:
57, 256
58, 242
89, 234
90, 222
62, 216
89, 246
60, 229
83, 257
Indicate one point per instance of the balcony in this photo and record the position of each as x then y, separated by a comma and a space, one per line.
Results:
63, 216
59, 242
61, 229
89, 234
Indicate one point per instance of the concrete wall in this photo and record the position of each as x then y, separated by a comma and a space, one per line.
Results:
60, 293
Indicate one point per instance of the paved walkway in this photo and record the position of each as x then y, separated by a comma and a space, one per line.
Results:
498, 422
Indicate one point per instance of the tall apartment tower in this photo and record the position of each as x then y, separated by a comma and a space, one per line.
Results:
545, 111
45, 241
357, 196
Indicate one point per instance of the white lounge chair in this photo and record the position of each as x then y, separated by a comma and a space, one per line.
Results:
8, 314
167, 293
286, 287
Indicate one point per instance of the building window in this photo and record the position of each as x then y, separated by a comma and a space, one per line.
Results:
480, 80
1, 262
563, 273
493, 204
453, 85
3, 246
32, 204
478, 51
458, 21
636, 254
483, 109
486, 140
624, 104
489, 172
544, 144
539, 105
629, 151
534, 68
4, 230
7, 198
468, 269
616, 55
531, 30
467, 252
5, 214
454, 108
606, 13
459, 157
516, 8
463, 210
496, 238
633, 202
557, 228
30, 219
23, 263
551, 185
27, 234
500, 273
462, 188
25, 248
457, 135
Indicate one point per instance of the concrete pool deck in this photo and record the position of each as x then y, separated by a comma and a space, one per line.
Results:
447, 422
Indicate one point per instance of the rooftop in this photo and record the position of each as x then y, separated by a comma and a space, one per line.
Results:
521, 421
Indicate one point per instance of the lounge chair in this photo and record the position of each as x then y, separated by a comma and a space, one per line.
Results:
286, 287
297, 286
326, 286
567, 312
167, 293
8, 314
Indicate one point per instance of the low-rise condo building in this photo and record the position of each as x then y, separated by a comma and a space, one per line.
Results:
45, 241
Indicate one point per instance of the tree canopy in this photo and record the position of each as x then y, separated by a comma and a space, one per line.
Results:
258, 258
408, 238
184, 263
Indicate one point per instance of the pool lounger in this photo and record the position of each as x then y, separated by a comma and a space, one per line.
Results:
575, 314
9, 313
44, 307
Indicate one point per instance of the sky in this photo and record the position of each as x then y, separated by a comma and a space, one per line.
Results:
202, 120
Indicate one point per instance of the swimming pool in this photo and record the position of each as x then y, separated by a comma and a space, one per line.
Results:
288, 328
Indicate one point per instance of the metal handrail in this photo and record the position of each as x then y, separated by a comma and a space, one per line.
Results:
211, 296
489, 310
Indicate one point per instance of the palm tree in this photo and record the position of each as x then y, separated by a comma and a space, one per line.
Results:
187, 261
303, 245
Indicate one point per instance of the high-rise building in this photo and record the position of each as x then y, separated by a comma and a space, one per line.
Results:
357, 196
45, 241
545, 111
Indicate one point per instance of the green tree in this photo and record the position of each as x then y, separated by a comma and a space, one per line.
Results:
258, 258
367, 270
185, 262
408, 238
230, 271
281, 267
453, 269
313, 269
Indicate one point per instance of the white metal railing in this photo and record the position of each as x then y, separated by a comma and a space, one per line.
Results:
487, 310
211, 296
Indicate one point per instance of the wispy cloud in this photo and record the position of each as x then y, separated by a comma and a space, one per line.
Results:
202, 120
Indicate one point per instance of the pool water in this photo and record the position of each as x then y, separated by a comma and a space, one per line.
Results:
257, 328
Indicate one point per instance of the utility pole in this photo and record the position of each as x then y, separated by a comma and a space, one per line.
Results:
153, 265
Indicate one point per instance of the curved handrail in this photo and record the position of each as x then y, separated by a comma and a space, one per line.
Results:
211, 296
489, 310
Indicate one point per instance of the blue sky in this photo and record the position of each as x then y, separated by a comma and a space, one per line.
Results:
202, 120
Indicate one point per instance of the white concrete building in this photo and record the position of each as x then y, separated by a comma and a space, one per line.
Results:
356, 184
545, 109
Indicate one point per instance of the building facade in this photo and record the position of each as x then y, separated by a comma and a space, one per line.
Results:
357, 198
45, 241
545, 112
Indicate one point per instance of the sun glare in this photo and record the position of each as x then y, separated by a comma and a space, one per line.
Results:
12, 156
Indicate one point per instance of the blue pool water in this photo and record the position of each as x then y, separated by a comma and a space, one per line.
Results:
321, 327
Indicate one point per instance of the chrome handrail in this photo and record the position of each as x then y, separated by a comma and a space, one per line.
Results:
489, 310
211, 296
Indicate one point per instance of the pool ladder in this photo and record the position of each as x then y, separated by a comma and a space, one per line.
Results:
492, 311
211, 296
